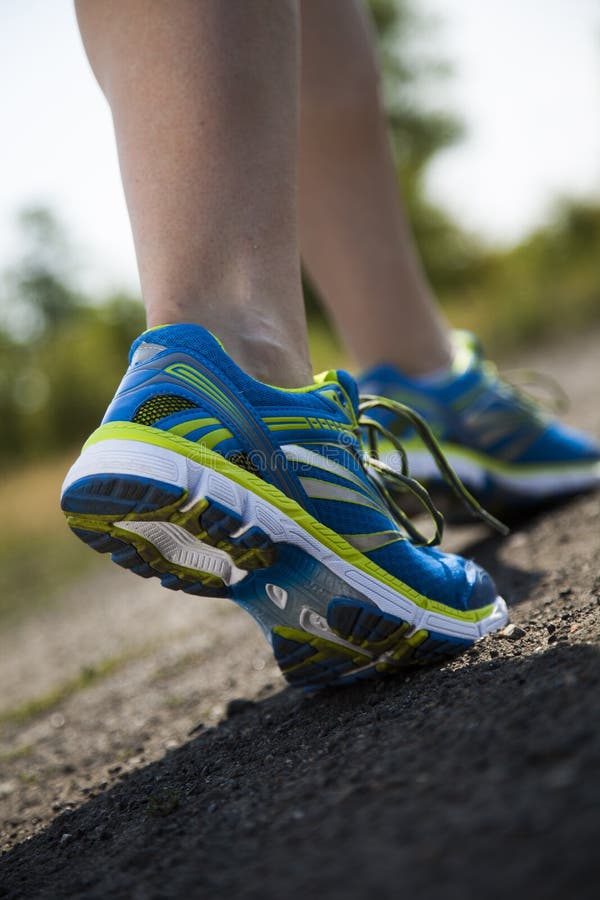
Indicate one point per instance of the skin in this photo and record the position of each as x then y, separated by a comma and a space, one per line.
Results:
356, 242
207, 131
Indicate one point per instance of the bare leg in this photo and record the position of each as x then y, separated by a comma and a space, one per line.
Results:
355, 240
204, 103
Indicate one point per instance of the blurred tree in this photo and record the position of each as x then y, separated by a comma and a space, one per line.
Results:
38, 294
52, 389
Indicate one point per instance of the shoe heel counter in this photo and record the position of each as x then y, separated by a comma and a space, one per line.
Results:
147, 396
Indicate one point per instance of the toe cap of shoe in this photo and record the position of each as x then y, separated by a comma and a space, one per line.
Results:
483, 591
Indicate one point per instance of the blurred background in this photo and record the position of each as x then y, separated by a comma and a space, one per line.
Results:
493, 109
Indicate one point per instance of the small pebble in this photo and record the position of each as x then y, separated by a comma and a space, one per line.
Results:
511, 632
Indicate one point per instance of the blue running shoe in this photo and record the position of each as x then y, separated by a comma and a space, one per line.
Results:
220, 485
512, 456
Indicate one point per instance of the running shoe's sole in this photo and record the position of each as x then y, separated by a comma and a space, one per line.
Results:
191, 520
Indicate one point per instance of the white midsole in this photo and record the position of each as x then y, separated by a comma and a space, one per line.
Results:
532, 484
127, 457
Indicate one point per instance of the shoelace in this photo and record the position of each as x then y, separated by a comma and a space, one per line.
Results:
386, 479
518, 380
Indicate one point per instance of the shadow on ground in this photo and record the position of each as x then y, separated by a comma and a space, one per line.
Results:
514, 581
477, 779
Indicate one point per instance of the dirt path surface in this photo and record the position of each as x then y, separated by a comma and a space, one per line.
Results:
150, 749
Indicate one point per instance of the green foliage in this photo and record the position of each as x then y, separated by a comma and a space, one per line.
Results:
163, 803
61, 353
38, 297
546, 285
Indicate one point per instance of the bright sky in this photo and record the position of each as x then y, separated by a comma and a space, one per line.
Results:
526, 84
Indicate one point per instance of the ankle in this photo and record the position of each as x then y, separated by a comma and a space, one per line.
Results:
421, 361
269, 359
267, 349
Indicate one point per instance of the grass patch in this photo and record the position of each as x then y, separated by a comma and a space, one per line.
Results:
88, 676
38, 552
164, 803
8, 756
29, 778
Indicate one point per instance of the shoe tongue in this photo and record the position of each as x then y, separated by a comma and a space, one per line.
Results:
467, 351
345, 381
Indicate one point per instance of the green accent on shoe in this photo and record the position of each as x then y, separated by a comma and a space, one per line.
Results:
327, 537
